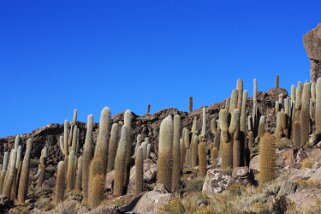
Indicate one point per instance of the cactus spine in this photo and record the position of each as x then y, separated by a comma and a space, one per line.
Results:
176, 153
267, 159
87, 157
305, 115
139, 163
164, 162
112, 149
60, 183
24, 178
120, 162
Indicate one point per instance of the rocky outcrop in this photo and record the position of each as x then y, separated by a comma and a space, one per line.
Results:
217, 180
312, 44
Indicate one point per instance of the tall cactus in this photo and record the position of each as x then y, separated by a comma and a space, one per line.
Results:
243, 111
254, 109
267, 159
79, 174
182, 154
203, 132
176, 153
42, 167
190, 104
9, 179
226, 146
103, 137
261, 129
239, 87
87, 156
128, 122
234, 130
112, 149
194, 151
318, 107
97, 179
297, 134
139, 163
233, 101
164, 162
60, 183
202, 153
305, 115
120, 162
71, 172
24, 178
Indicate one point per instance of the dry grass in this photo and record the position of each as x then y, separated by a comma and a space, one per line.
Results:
236, 199
307, 163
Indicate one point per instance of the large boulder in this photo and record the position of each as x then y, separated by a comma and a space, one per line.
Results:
312, 45
305, 201
217, 180
152, 201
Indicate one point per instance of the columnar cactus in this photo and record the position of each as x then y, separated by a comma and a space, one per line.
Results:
305, 115
79, 174
2, 177
74, 140
97, 179
202, 153
24, 177
128, 122
293, 90
254, 110
243, 111
74, 119
233, 101
112, 149
226, 146
103, 137
194, 126
297, 134
239, 87
139, 163
277, 81
190, 104
65, 138
194, 151
149, 146
71, 172
165, 159
214, 155
148, 110
87, 156
203, 132
120, 162
235, 133
261, 129
298, 94
267, 159
42, 167
227, 104
138, 142
182, 153
318, 107
176, 153
144, 147
9, 179
60, 183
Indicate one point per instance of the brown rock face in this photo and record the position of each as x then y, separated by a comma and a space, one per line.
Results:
312, 44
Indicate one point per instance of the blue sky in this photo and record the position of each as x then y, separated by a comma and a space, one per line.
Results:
57, 55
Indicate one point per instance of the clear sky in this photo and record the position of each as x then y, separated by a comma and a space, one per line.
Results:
59, 55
